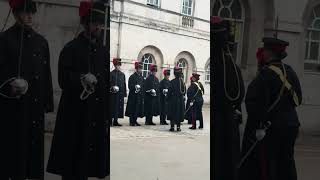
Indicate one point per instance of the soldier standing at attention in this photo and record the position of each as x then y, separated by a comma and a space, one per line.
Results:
228, 93
152, 95
135, 104
164, 87
26, 94
195, 101
176, 105
80, 145
118, 92
272, 97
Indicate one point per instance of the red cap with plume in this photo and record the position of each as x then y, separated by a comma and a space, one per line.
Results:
116, 61
84, 8
153, 67
138, 65
166, 72
196, 76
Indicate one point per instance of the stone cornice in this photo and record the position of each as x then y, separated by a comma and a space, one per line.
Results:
159, 25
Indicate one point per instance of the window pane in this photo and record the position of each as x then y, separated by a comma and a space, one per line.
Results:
317, 11
189, 12
316, 24
216, 8
315, 35
225, 13
236, 9
314, 51
307, 51
226, 2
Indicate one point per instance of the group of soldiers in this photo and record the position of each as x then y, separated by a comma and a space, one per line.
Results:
80, 145
271, 99
149, 97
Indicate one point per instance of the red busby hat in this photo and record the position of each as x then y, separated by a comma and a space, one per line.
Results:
19, 6
138, 65
153, 68
196, 76
166, 72
92, 11
116, 61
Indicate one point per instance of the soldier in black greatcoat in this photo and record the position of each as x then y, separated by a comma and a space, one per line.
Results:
26, 94
176, 105
164, 87
228, 93
195, 102
152, 96
135, 104
118, 90
272, 97
80, 145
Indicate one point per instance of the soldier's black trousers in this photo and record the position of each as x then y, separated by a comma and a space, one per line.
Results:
172, 123
196, 112
115, 120
163, 117
280, 142
148, 119
133, 120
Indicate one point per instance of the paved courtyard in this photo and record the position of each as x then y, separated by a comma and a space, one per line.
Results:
154, 153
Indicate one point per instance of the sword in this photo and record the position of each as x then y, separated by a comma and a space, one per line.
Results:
266, 126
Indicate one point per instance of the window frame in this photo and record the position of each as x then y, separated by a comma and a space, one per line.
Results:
239, 22
190, 7
152, 4
207, 73
147, 71
184, 69
309, 40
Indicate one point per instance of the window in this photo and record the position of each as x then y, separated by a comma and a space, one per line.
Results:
312, 54
232, 10
207, 73
154, 3
187, 7
147, 59
182, 63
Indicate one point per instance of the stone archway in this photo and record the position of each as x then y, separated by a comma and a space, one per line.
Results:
151, 55
187, 60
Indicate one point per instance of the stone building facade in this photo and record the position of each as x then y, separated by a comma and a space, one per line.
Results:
164, 32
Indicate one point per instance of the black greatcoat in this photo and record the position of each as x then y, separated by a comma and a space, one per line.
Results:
135, 104
176, 106
273, 157
117, 78
194, 94
164, 84
152, 103
22, 120
226, 151
80, 144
